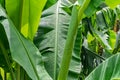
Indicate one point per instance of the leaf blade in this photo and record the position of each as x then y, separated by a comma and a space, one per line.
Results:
25, 14
107, 70
27, 54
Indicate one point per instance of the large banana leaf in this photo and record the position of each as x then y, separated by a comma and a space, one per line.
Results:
25, 14
51, 39
108, 70
24, 52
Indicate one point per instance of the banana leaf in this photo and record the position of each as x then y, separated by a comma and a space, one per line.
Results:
51, 38
23, 51
25, 15
108, 70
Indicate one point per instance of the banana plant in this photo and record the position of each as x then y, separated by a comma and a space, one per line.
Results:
71, 35
55, 29
20, 16
108, 70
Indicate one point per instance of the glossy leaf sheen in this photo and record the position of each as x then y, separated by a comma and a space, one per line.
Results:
51, 39
108, 70
25, 53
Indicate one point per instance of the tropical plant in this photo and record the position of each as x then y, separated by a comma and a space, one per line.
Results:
59, 40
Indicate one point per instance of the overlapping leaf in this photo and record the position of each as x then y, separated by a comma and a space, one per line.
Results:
51, 39
4, 58
49, 3
108, 70
24, 52
25, 14
92, 7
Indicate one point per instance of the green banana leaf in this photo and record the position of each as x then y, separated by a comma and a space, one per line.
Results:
25, 14
117, 11
5, 59
24, 52
112, 3
49, 3
51, 38
100, 25
2, 2
117, 44
108, 70
92, 7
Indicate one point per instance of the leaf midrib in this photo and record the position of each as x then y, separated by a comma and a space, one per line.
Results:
27, 54
56, 39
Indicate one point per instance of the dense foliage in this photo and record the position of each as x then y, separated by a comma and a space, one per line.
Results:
59, 39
